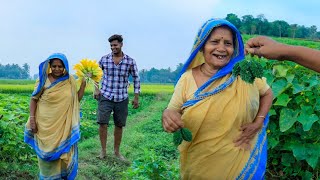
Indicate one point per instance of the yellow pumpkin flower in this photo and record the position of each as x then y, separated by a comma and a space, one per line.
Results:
88, 69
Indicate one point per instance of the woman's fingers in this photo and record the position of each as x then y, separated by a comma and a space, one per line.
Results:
247, 134
171, 120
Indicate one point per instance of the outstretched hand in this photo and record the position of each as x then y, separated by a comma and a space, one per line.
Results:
249, 131
263, 46
171, 120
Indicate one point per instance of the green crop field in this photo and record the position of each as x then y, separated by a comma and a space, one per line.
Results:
293, 131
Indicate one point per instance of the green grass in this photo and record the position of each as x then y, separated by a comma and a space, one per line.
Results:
28, 88
16, 81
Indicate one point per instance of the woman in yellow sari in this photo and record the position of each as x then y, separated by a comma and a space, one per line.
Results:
227, 116
53, 128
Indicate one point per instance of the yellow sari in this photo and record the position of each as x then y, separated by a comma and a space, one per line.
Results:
57, 117
215, 123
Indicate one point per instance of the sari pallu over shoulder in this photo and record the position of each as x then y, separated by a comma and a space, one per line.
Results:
255, 166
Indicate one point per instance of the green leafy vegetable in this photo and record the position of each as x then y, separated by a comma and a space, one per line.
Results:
182, 134
248, 70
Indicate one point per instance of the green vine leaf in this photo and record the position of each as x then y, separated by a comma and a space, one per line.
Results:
182, 134
279, 86
287, 118
308, 152
307, 120
282, 100
280, 70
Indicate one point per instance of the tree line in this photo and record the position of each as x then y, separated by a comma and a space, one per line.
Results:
160, 75
14, 71
260, 25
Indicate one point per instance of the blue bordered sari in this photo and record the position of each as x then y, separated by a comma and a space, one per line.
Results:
57, 117
256, 164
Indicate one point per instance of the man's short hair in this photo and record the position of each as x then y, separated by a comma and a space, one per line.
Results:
115, 37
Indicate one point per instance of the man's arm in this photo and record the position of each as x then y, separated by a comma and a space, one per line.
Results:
309, 58
136, 84
270, 49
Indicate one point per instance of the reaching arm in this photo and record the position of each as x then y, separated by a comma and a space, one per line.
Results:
309, 58
270, 49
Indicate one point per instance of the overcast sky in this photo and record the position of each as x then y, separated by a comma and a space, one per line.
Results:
157, 33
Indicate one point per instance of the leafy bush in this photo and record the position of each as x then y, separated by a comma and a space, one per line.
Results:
293, 138
151, 166
12, 148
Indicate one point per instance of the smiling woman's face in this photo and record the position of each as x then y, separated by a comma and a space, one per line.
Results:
219, 47
57, 67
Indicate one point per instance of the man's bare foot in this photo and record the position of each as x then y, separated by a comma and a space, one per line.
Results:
119, 156
102, 155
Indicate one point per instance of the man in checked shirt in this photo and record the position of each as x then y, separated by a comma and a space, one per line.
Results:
113, 94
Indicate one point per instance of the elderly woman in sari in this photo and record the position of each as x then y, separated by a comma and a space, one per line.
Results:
227, 116
53, 128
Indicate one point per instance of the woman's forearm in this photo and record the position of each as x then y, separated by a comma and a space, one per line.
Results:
81, 89
33, 107
265, 104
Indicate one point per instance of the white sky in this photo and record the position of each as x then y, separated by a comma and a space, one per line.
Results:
157, 33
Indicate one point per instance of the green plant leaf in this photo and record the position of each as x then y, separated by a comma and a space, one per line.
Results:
297, 87
278, 87
272, 112
317, 105
280, 70
299, 151
272, 142
312, 161
287, 118
307, 120
177, 138
313, 81
307, 175
308, 152
282, 100
290, 77
186, 134
287, 159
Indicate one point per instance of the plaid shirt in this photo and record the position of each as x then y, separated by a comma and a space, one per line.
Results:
115, 77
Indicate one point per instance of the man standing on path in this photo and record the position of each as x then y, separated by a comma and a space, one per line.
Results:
113, 95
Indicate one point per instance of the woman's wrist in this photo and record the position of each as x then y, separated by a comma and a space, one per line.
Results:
260, 116
259, 119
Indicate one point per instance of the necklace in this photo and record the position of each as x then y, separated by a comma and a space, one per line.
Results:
205, 72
